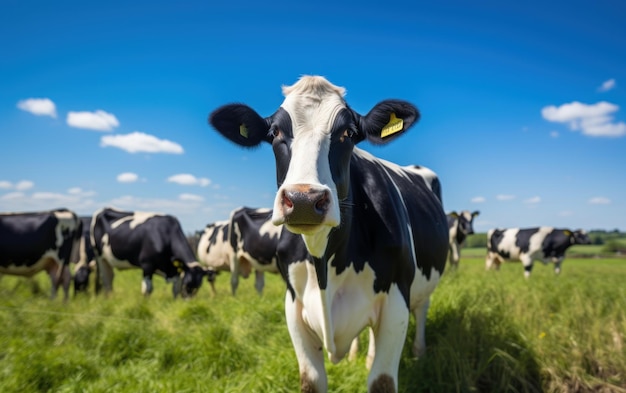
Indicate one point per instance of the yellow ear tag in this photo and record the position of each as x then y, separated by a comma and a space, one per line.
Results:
243, 131
393, 126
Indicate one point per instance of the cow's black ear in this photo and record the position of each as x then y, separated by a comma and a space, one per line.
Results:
388, 120
241, 124
453, 214
475, 213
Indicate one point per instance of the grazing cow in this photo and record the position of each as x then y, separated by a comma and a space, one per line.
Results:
460, 226
150, 241
545, 244
36, 241
375, 238
245, 242
84, 258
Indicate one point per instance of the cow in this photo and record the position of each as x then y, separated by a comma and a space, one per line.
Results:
460, 226
153, 242
545, 244
84, 258
246, 241
34, 241
366, 240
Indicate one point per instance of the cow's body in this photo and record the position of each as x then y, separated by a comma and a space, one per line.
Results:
153, 242
246, 242
545, 244
32, 242
84, 258
460, 225
375, 234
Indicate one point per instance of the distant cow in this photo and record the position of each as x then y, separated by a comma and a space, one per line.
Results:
545, 244
153, 242
36, 241
460, 226
246, 242
375, 233
84, 258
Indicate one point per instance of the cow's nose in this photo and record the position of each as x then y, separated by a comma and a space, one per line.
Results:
303, 204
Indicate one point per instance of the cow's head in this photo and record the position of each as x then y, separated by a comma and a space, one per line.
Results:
313, 134
192, 279
81, 276
579, 236
466, 221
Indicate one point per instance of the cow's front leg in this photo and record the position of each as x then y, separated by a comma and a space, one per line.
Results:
177, 285
308, 348
146, 284
66, 278
389, 335
557, 264
454, 256
106, 275
259, 281
527, 261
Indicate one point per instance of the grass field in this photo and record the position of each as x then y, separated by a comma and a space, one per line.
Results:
486, 332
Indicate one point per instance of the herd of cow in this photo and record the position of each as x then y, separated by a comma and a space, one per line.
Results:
359, 241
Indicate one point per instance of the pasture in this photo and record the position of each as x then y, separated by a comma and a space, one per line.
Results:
486, 332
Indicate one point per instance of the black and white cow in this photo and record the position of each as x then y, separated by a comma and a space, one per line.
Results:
36, 241
153, 242
84, 258
460, 226
545, 244
375, 233
246, 242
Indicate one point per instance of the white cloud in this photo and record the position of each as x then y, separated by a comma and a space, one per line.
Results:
98, 120
21, 185
592, 120
191, 198
24, 185
607, 85
38, 106
77, 191
187, 179
127, 177
554, 134
504, 197
12, 196
599, 201
533, 200
138, 142
478, 199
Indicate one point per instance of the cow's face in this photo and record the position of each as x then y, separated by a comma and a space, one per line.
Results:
192, 280
581, 237
313, 134
81, 279
466, 222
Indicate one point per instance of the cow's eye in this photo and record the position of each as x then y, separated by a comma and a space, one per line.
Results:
274, 132
346, 134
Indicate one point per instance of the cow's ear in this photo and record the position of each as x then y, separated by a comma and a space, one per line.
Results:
475, 213
241, 124
567, 232
388, 120
453, 214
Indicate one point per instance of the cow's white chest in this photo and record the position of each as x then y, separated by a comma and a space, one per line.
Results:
341, 311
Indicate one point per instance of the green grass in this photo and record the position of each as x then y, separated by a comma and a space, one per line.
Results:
486, 332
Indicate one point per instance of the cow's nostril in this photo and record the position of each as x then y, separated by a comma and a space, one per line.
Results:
286, 201
321, 206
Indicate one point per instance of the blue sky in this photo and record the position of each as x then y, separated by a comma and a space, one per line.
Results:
523, 103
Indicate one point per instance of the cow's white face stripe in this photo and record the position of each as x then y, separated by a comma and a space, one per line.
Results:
313, 112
